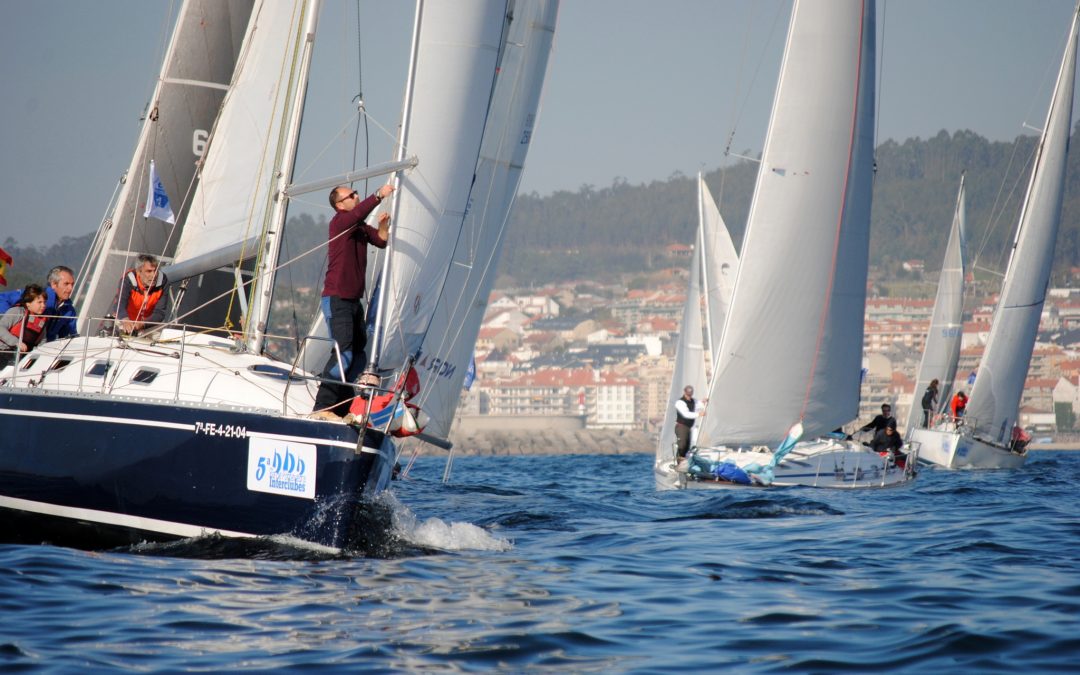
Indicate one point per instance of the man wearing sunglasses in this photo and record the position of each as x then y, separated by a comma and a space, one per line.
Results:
344, 290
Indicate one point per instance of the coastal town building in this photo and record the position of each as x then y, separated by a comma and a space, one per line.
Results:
601, 356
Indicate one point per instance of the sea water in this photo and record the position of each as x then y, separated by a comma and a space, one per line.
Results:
576, 564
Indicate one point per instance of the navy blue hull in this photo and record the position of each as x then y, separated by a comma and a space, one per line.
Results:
77, 470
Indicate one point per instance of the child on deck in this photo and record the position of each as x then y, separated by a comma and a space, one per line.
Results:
23, 325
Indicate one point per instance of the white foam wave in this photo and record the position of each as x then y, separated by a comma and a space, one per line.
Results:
435, 533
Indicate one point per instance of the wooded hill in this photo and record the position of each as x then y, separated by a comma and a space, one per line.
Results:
602, 233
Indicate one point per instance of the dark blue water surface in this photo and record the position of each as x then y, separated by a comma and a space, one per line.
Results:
569, 564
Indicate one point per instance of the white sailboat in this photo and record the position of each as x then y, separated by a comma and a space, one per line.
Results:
791, 348
984, 440
191, 431
714, 260
941, 353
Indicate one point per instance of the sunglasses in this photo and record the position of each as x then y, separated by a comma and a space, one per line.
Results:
348, 196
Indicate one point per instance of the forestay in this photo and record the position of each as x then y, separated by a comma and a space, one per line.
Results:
995, 398
197, 68
792, 343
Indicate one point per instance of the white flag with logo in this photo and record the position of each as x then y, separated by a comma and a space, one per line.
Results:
157, 202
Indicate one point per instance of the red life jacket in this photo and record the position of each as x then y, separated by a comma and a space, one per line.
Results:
142, 300
35, 328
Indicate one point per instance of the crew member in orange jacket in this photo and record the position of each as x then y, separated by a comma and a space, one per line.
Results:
142, 298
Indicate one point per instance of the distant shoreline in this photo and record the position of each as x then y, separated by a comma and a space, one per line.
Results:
578, 442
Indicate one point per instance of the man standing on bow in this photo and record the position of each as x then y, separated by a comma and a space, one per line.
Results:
687, 410
343, 292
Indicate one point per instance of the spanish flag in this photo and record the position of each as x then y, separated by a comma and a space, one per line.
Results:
5, 260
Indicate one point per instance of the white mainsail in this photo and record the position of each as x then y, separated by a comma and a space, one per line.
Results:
458, 46
720, 263
995, 398
511, 118
791, 348
195, 75
941, 354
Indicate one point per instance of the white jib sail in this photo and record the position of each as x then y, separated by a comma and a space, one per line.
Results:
689, 354
995, 398
237, 182
511, 119
792, 344
458, 47
941, 353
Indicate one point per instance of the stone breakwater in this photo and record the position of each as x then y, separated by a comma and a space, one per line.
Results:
575, 442
550, 442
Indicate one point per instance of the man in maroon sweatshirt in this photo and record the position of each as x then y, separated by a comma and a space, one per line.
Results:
344, 290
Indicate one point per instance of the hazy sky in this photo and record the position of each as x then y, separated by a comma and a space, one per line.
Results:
637, 89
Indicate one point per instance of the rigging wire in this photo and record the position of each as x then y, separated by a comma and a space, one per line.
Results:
740, 100
995, 217
359, 98
878, 88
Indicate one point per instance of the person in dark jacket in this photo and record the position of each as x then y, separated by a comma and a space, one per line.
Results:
887, 440
880, 421
929, 403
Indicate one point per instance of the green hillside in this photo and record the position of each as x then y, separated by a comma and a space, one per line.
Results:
598, 233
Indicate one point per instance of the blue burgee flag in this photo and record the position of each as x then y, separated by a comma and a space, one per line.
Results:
157, 202
470, 374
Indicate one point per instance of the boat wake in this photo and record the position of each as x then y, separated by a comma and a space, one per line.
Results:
383, 528
436, 534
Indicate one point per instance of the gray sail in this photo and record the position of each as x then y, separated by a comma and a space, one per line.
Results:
995, 398
941, 354
791, 348
195, 75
